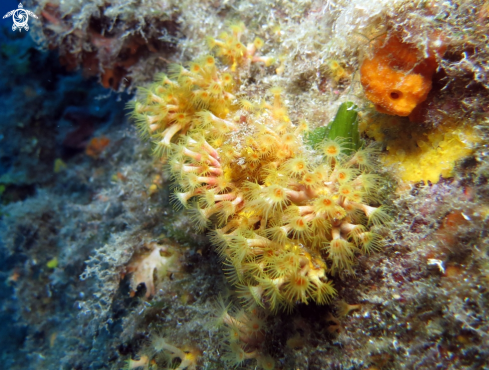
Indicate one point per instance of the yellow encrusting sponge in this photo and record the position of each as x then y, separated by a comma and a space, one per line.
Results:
418, 153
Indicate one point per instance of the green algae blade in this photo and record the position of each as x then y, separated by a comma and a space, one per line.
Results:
344, 125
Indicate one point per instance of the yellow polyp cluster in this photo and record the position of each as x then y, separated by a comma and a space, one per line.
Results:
233, 52
245, 336
335, 70
282, 215
278, 213
168, 107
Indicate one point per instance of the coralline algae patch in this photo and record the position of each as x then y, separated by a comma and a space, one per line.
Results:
418, 153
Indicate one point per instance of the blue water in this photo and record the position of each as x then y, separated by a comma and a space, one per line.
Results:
6, 6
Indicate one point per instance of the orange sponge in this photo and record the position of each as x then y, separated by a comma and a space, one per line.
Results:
397, 78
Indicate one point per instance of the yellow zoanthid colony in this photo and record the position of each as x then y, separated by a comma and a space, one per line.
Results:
282, 214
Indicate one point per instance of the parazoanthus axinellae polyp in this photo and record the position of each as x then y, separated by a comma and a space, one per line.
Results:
172, 104
245, 336
280, 211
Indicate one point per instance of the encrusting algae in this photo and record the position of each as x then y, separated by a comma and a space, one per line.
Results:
282, 214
